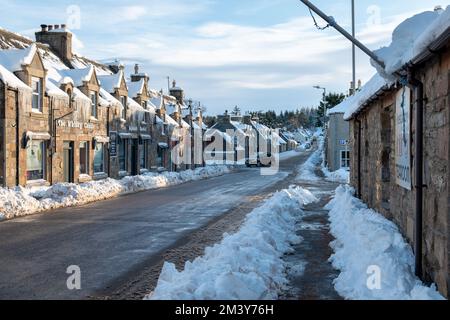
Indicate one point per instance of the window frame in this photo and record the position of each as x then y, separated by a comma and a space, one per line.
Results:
38, 93
43, 160
94, 104
103, 157
123, 144
344, 159
123, 101
86, 157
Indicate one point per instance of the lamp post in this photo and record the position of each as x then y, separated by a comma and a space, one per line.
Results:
353, 50
324, 106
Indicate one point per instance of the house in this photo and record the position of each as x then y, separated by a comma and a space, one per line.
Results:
399, 134
337, 136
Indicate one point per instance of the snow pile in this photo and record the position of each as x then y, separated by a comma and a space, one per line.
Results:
308, 168
342, 175
246, 265
366, 241
411, 38
22, 201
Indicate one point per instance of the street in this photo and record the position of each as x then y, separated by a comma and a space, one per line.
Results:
113, 241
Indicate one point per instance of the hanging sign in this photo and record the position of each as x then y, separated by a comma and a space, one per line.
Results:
403, 138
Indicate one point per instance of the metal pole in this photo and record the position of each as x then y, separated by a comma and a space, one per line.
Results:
353, 49
332, 22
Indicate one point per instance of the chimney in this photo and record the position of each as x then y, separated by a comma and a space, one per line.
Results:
438, 9
136, 77
224, 119
177, 92
60, 42
247, 119
44, 28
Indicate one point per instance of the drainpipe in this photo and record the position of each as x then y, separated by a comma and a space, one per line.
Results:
4, 136
18, 144
108, 129
359, 158
418, 87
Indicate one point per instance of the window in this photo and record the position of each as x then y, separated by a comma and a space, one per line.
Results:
160, 157
99, 158
94, 104
144, 104
84, 158
345, 159
143, 155
36, 84
123, 101
123, 151
36, 160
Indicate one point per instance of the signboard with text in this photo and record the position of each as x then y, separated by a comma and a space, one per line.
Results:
403, 138
113, 144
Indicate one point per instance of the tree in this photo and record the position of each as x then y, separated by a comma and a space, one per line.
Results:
329, 101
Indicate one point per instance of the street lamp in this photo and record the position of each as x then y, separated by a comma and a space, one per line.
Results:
324, 97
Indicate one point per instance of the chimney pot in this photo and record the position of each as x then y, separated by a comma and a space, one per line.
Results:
44, 27
63, 26
50, 27
136, 68
56, 26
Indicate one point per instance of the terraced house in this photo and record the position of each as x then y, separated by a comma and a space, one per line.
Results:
66, 118
399, 134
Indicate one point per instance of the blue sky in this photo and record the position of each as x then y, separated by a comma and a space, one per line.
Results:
258, 54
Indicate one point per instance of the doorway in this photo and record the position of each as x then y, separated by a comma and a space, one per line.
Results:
68, 161
134, 157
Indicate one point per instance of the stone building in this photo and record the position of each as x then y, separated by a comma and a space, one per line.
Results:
400, 158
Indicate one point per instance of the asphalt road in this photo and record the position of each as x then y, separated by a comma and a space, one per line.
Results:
107, 239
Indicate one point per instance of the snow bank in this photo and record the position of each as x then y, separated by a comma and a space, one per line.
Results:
22, 201
246, 265
364, 239
306, 171
411, 38
342, 175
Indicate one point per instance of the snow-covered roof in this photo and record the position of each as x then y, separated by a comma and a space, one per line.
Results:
78, 95
110, 98
411, 38
136, 88
79, 76
53, 89
111, 82
171, 121
204, 126
262, 129
353, 104
171, 108
157, 101
185, 125
11, 80
14, 59
215, 132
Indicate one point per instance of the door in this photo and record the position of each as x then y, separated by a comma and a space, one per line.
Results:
134, 157
68, 161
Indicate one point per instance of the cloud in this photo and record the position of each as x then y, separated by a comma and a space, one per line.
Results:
131, 13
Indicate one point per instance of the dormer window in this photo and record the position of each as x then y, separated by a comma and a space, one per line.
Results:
123, 101
36, 85
94, 104
144, 104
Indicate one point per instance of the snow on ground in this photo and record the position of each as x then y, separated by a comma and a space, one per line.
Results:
246, 265
306, 170
366, 241
290, 154
21, 201
342, 175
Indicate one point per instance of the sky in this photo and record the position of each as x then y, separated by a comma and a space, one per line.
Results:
256, 54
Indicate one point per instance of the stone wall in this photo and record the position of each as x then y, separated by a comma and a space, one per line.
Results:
378, 186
